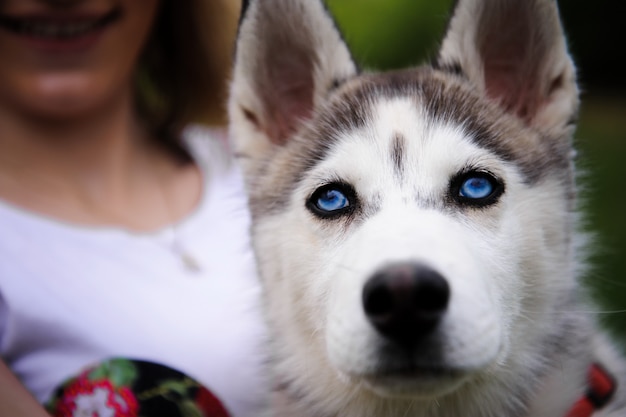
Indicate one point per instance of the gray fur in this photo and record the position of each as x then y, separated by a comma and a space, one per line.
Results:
501, 98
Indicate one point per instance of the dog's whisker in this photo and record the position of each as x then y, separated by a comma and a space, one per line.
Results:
607, 312
601, 281
350, 268
523, 314
409, 408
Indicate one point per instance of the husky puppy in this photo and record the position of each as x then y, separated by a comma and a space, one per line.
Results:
416, 230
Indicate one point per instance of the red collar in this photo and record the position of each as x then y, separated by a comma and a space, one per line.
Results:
600, 389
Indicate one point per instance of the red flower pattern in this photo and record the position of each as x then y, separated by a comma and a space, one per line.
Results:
85, 398
121, 387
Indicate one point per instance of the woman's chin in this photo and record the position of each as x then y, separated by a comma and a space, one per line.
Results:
62, 97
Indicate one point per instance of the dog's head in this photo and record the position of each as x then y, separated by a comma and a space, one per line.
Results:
413, 228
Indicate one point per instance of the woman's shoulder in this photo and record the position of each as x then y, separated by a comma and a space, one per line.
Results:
209, 147
223, 189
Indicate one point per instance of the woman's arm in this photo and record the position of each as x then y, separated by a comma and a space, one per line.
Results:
15, 400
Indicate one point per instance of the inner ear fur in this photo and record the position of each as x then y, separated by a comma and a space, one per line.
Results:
515, 52
288, 55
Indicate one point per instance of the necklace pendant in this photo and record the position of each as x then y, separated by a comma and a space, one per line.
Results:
190, 263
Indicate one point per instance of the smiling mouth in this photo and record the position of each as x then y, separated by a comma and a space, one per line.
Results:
57, 28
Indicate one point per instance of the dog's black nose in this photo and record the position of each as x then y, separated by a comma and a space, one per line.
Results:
405, 301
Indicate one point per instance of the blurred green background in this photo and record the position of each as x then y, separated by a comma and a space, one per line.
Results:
386, 34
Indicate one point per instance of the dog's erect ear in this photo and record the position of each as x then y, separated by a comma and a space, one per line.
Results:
289, 54
515, 52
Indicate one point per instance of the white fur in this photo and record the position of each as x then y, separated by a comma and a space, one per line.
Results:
515, 340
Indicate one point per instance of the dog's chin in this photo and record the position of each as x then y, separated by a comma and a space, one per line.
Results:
416, 383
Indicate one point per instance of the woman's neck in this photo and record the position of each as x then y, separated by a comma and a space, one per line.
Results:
100, 143
99, 168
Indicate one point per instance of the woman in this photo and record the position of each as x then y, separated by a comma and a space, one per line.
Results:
126, 280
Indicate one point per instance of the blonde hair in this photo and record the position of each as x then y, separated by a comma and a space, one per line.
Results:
184, 71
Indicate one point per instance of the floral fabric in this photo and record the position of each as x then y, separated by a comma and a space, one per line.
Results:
132, 388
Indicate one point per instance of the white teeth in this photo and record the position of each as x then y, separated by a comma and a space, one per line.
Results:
55, 30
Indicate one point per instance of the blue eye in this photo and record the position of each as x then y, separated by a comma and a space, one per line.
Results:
331, 200
476, 188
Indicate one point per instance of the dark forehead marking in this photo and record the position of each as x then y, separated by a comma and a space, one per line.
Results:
397, 152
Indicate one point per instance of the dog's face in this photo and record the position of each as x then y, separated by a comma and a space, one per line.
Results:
413, 228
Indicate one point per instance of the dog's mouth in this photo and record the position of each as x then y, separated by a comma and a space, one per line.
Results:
416, 381
58, 28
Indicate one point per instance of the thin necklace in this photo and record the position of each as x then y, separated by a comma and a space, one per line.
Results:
176, 245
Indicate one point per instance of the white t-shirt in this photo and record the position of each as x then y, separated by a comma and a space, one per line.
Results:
72, 296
